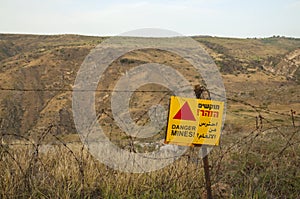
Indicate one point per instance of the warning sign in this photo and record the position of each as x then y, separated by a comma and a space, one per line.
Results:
194, 121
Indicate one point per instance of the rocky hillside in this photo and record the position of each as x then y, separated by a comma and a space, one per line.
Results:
37, 73
277, 55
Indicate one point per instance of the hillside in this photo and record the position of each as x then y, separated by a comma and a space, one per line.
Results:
41, 155
37, 73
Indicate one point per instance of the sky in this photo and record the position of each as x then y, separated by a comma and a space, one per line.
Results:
224, 18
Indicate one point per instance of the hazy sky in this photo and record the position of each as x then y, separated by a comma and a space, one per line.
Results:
230, 18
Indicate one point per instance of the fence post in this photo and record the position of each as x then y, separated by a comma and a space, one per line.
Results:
202, 93
206, 172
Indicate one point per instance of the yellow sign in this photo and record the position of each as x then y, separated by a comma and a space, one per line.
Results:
194, 121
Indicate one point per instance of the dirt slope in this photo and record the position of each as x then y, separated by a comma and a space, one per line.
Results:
37, 73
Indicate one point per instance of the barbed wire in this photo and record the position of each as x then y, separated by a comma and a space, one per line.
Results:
254, 107
28, 172
79, 90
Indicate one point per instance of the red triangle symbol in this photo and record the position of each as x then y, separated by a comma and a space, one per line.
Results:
185, 113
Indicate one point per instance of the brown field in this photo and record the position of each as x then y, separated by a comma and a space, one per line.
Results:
41, 155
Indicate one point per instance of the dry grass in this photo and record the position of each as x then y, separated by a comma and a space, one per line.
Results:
263, 163
61, 173
258, 158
